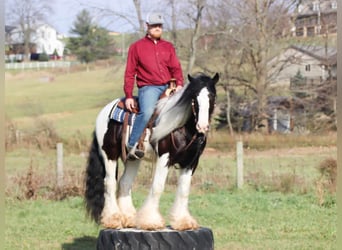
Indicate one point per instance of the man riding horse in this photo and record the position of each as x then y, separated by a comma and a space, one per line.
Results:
151, 63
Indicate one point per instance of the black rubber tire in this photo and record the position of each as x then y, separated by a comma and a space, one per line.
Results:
168, 239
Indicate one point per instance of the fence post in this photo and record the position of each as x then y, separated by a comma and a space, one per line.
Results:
239, 164
59, 169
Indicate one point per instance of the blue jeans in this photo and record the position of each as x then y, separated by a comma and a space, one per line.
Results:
148, 97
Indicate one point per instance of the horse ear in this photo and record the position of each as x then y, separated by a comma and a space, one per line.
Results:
190, 78
216, 78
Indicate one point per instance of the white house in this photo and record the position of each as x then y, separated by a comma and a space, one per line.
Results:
306, 71
316, 63
47, 40
44, 39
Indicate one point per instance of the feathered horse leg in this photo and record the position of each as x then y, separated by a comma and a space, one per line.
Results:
111, 216
149, 217
109, 148
127, 208
180, 218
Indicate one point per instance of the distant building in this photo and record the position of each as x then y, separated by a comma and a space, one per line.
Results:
44, 39
316, 17
314, 64
48, 40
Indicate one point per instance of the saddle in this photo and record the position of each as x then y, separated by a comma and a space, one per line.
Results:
121, 114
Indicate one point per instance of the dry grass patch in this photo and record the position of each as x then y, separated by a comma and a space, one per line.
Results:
327, 182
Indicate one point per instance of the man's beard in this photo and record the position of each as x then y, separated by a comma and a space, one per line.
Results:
156, 36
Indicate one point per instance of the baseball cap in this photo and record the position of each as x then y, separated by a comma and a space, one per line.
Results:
154, 18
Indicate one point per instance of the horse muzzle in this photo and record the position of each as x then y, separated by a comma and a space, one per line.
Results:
202, 128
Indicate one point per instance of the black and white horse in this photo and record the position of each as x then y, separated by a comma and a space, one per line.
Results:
178, 137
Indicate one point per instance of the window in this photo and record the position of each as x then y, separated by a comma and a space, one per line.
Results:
307, 67
310, 31
299, 32
334, 5
315, 6
300, 8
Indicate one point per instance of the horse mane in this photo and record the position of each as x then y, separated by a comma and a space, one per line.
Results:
175, 110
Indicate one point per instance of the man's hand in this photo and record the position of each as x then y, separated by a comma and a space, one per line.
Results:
129, 103
178, 88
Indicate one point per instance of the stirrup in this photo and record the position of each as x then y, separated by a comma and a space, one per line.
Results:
135, 154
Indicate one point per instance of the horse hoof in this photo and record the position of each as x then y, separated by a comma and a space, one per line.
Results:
128, 221
150, 223
150, 226
185, 224
113, 221
149, 219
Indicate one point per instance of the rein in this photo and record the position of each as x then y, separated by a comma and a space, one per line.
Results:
194, 137
193, 109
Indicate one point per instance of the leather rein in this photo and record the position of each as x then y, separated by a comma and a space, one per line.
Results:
194, 137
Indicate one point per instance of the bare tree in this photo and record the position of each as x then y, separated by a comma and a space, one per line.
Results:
27, 15
256, 32
196, 32
132, 18
174, 18
238, 39
256, 35
185, 17
137, 5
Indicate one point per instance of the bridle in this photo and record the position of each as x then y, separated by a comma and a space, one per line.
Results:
193, 108
195, 135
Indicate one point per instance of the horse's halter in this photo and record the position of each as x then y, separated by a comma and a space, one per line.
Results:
195, 110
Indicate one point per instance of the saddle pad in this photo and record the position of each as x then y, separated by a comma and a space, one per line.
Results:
118, 114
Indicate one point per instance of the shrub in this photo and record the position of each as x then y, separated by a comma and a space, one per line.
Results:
328, 171
43, 136
43, 57
33, 184
326, 183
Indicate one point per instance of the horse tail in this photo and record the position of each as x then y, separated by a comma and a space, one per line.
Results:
94, 182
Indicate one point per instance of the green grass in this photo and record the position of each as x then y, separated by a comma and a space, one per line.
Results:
73, 98
238, 219
46, 224
256, 217
255, 220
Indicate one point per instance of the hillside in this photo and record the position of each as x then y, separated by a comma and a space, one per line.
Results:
68, 100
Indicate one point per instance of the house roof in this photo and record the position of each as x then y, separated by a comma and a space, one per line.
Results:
9, 28
327, 55
284, 102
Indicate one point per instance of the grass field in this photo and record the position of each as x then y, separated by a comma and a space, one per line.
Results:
69, 99
239, 220
280, 207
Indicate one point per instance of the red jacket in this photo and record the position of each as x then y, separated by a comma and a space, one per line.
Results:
151, 64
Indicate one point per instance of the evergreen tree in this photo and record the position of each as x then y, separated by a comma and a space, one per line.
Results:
90, 42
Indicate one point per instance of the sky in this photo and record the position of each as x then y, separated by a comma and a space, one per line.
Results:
65, 12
